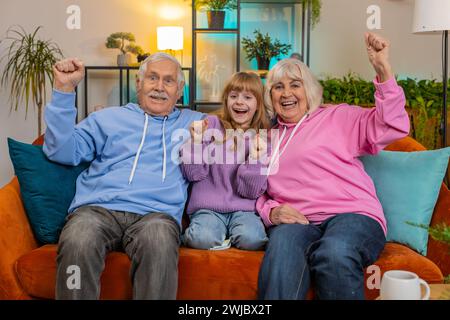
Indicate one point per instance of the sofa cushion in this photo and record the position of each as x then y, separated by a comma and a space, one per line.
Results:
41, 183
36, 272
203, 274
228, 274
407, 185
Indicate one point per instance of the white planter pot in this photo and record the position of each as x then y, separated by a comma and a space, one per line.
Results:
124, 60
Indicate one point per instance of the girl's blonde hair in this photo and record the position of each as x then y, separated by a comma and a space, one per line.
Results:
294, 69
245, 81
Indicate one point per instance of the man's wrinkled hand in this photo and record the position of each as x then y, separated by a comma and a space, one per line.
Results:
68, 73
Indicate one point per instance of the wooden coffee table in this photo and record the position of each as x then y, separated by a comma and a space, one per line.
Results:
440, 292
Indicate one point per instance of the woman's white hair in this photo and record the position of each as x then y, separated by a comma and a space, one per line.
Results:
158, 56
296, 70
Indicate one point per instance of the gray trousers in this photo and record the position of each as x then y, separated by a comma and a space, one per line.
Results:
151, 242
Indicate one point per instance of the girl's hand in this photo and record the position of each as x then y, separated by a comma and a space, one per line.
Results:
378, 52
286, 214
258, 147
197, 129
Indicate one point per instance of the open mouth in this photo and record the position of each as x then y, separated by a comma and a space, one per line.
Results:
288, 104
158, 98
240, 111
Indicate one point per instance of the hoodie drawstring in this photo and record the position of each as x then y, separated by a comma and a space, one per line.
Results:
276, 155
136, 159
164, 149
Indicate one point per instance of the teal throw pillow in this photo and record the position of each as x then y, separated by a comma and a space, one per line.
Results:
47, 189
407, 185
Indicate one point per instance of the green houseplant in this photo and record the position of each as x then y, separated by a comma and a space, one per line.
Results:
439, 232
215, 11
316, 6
29, 68
263, 48
125, 42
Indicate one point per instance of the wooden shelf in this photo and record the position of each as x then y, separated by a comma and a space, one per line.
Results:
207, 30
272, 1
206, 102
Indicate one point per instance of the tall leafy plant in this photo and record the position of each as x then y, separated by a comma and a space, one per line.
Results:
29, 68
440, 233
424, 99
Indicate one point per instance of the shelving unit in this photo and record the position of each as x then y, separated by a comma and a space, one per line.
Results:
206, 82
200, 102
224, 46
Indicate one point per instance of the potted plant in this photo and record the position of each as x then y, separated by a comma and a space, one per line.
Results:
315, 6
141, 56
29, 68
215, 11
125, 42
263, 48
440, 233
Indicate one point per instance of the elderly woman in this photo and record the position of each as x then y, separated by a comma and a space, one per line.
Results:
326, 223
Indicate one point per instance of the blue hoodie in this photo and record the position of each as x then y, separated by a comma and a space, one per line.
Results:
130, 150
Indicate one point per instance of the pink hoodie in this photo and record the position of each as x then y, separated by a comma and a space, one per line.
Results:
319, 174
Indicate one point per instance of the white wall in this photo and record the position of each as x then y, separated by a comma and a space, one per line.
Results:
337, 42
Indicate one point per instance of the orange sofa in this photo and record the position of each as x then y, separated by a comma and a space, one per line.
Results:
28, 271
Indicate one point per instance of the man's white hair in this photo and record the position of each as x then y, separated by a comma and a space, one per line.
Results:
158, 57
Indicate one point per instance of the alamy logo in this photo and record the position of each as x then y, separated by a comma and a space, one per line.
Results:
374, 20
73, 22
374, 280
214, 147
74, 280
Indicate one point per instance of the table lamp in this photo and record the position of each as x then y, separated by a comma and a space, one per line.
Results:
170, 39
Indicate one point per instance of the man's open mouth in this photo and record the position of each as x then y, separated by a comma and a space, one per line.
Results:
157, 97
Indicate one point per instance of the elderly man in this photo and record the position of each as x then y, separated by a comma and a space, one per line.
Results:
132, 196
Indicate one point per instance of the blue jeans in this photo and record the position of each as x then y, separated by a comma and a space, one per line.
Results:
208, 229
151, 242
332, 256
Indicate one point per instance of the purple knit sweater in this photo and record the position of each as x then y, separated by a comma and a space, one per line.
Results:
220, 187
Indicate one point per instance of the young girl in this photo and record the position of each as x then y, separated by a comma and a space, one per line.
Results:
228, 178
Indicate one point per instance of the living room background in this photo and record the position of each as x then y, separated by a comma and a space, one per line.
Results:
337, 45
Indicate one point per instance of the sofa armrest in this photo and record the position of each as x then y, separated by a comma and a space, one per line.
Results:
16, 239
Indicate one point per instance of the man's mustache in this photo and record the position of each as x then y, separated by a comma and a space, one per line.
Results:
157, 95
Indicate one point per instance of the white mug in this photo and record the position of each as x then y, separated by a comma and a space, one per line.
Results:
402, 285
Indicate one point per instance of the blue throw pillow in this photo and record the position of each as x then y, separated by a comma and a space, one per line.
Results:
407, 185
47, 189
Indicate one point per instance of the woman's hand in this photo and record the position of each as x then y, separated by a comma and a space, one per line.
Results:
286, 214
197, 129
378, 51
